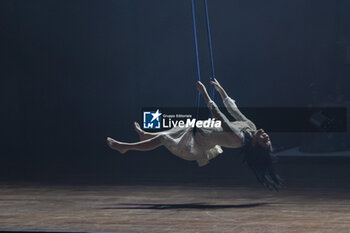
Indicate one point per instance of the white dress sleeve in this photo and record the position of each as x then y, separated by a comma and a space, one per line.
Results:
234, 111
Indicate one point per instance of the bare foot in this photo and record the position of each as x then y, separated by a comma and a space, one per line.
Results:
115, 145
139, 131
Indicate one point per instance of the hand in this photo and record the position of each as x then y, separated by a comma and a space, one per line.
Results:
216, 84
219, 88
200, 87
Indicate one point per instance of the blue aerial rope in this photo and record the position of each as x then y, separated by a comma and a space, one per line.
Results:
197, 55
210, 48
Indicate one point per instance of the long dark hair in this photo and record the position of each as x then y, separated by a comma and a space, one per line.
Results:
260, 161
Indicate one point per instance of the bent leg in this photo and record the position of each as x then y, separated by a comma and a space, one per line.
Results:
146, 145
143, 135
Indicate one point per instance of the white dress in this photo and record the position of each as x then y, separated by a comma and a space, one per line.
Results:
206, 143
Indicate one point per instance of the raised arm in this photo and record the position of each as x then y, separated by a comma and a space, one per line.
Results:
219, 89
230, 104
217, 114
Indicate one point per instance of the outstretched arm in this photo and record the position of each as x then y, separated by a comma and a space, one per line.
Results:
217, 114
229, 103
219, 89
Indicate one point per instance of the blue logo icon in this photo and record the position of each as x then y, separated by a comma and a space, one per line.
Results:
151, 119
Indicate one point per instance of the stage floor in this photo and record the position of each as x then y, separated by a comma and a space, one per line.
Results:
186, 207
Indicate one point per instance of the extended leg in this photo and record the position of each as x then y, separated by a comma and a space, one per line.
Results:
146, 145
143, 135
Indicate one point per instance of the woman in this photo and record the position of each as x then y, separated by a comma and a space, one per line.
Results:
206, 143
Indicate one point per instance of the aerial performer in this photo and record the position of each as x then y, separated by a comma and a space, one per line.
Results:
207, 142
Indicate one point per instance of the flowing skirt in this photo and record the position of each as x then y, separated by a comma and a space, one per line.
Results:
183, 143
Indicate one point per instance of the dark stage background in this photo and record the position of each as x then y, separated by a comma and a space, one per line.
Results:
74, 72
